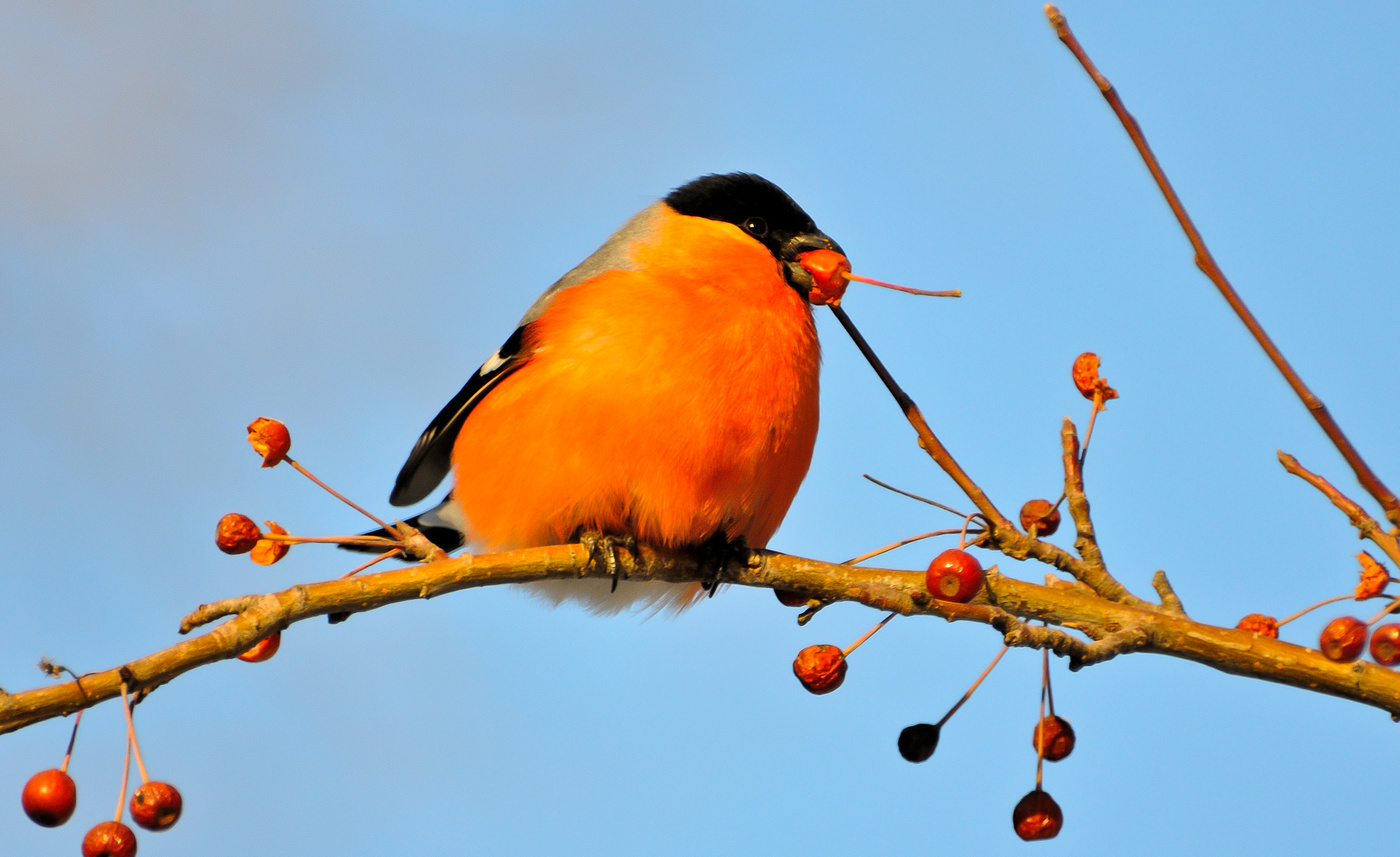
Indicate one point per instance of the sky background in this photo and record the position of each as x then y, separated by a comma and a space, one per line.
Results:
331, 213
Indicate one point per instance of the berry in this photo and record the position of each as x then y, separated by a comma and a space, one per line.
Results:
828, 269
1087, 380
917, 742
156, 806
267, 551
110, 839
270, 439
1037, 816
1343, 639
821, 669
1041, 515
954, 575
49, 798
1258, 623
788, 598
1374, 577
1058, 736
236, 533
262, 650
1385, 644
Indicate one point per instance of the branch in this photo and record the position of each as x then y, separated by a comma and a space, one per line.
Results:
1007, 604
1095, 573
1206, 262
1367, 527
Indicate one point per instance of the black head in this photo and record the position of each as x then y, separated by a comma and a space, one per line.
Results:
758, 207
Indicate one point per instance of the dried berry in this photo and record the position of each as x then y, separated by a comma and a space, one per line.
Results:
1374, 577
917, 742
110, 839
270, 439
788, 598
1037, 816
49, 798
267, 551
262, 650
1087, 380
821, 669
1343, 639
1058, 736
1258, 623
828, 269
156, 806
1385, 644
954, 575
1041, 515
236, 533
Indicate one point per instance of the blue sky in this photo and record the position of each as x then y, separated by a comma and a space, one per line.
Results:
331, 213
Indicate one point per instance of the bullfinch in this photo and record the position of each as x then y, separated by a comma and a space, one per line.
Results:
665, 389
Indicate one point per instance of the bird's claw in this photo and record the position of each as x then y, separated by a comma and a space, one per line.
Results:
602, 550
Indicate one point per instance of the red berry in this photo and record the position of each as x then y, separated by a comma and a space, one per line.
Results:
236, 533
1037, 816
1058, 736
1343, 639
110, 839
1385, 644
156, 806
49, 798
828, 269
821, 669
262, 650
270, 439
1041, 515
788, 598
954, 575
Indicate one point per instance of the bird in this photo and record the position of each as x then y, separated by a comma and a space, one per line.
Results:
664, 390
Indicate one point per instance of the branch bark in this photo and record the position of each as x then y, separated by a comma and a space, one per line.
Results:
1007, 604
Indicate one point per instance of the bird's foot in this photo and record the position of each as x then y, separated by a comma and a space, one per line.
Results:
716, 552
602, 550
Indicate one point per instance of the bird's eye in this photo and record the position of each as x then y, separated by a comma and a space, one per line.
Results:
756, 226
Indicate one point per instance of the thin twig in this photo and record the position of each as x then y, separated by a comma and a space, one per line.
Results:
914, 496
334, 493
1094, 573
387, 554
1366, 526
868, 634
971, 690
131, 736
1208, 266
901, 543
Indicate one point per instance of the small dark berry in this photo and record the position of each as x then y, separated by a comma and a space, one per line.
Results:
1058, 736
917, 742
1037, 816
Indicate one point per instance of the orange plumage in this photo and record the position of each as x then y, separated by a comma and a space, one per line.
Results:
667, 389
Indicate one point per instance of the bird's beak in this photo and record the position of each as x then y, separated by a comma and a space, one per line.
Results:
816, 267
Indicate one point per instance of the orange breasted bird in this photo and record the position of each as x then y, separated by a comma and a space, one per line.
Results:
664, 389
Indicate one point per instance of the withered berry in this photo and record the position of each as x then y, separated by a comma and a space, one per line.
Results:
110, 839
1343, 639
1058, 736
821, 669
236, 533
156, 806
1037, 816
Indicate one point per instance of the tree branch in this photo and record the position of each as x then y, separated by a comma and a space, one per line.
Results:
1367, 527
1008, 605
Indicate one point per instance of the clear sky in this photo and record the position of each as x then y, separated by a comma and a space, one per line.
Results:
331, 213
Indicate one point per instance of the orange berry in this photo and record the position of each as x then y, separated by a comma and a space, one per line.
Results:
1258, 623
1343, 639
828, 269
1058, 736
156, 806
49, 798
236, 533
1041, 515
262, 650
1087, 380
821, 669
1374, 577
267, 551
1385, 644
954, 575
1037, 816
110, 839
270, 439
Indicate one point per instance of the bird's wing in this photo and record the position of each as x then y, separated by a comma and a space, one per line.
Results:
431, 459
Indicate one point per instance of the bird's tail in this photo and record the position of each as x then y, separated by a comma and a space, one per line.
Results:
442, 525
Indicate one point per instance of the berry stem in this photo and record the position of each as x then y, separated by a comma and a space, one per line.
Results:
947, 293
970, 690
126, 772
72, 739
901, 543
1049, 690
334, 493
867, 635
1306, 610
364, 541
913, 496
1381, 615
1040, 733
354, 571
131, 737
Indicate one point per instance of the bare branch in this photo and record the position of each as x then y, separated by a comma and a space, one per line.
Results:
1367, 527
